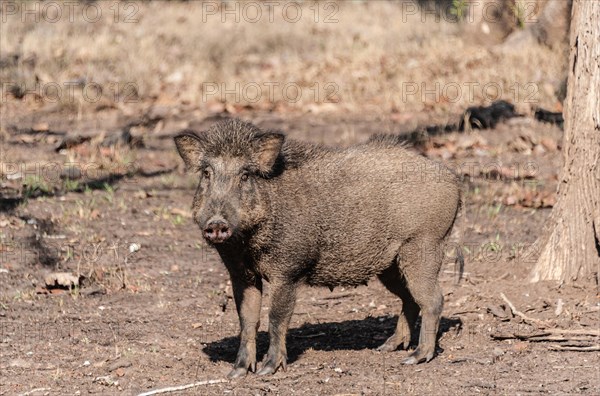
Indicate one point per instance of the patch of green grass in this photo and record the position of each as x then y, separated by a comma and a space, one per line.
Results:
495, 245
74, 291
177, 220
71, 185
459, 9
494, 211
168, 181
110, 192
518, 11
34, 186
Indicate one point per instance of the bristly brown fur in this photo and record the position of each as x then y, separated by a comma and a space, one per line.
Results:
323, 216
386, 139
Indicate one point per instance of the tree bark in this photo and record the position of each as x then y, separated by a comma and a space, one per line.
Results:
569, 248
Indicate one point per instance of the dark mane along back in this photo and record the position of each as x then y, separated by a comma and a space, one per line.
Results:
296, 153
387, 140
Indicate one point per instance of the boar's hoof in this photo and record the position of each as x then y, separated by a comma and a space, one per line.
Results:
417, 357
410, 360
387, 347
237, 373
392, 344
240, 370
270, 367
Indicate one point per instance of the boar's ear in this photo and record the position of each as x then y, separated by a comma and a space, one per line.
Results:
267, 149
190, 147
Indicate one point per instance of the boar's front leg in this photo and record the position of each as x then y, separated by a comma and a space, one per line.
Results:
248, 295
283, 299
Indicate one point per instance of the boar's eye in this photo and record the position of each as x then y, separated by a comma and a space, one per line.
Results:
244, 176
206, 174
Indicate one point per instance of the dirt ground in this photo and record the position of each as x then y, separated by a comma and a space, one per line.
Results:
163, 315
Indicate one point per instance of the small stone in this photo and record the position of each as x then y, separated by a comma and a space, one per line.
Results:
134, 247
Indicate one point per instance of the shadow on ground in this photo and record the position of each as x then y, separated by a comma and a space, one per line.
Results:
353, 335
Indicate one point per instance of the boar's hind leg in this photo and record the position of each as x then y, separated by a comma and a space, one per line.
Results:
420, 264
248, 295
394, 282
283, 299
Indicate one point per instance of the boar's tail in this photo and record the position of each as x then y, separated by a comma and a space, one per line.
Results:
459, 261
459, 264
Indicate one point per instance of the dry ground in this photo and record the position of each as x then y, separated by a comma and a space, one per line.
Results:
163, 315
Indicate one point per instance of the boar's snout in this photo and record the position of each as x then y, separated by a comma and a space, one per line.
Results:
217, 230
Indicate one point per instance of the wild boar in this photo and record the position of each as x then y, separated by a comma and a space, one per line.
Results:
295, 213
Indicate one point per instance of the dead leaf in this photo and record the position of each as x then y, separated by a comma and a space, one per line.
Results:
141, 194
510, 200
27, 139
40, 127
133, 288
549, 144
520, 145
61, 279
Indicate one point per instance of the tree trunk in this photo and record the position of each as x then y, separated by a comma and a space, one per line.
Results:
569, 248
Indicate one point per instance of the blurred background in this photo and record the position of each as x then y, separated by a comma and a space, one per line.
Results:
190, 55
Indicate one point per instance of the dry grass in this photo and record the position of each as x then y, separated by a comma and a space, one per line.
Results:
370, 56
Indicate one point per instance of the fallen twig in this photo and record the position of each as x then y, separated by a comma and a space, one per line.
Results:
551, 335
34, 391
471, 359
309, 335
339, 295
182, 387
557, 338
526, 318
464, 312
591, 348
589, 332
503, 276
539, 337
